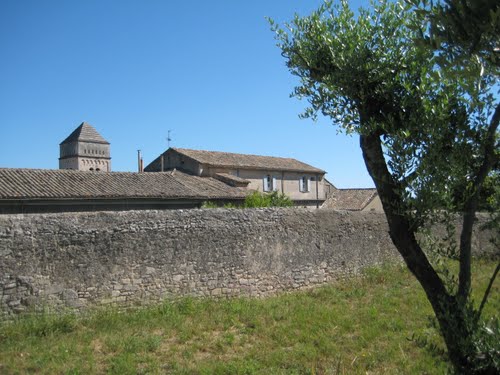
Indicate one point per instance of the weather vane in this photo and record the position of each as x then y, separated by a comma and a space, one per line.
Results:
169, 139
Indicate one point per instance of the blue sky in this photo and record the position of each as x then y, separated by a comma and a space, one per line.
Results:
209, 71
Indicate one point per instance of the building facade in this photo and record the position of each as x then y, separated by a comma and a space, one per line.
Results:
303, 183
85, 150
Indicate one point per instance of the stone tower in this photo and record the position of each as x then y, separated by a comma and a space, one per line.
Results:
85, 150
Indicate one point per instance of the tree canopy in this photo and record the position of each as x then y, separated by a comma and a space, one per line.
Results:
421, 97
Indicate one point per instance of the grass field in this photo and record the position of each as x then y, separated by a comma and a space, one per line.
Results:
366, 325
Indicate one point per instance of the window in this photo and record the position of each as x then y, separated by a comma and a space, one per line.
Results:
304, 184
270, 183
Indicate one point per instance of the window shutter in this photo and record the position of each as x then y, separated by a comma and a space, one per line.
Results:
275, 186
308, 182
301, 184
266, 188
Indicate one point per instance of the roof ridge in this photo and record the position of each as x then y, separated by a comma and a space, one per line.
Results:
248, 161
233, 153
74, 171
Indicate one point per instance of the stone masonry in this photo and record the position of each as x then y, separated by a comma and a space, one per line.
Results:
76, 260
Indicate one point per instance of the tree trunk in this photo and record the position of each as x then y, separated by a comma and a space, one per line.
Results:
450, 312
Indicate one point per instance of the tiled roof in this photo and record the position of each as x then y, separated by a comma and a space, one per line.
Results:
70, 184
230, 177
350, 199
232, 160
86, 133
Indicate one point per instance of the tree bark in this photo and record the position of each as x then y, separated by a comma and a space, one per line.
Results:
471, 205
450, 312
400, 229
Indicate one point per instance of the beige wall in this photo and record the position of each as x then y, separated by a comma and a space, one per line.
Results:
286, 182
68, 149
172, 159
374, 205
84, 156
71, 163
88, 149
85, 164
93, 150
291, 186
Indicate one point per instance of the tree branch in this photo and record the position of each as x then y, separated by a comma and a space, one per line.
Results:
402, 235
487, 292
471, 205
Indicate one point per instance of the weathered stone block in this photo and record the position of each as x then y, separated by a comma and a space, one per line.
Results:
216, 292
9, 286
14, 303
129, 288
53, 289
177, 278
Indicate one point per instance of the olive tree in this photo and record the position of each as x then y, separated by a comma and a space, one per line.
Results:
428, 133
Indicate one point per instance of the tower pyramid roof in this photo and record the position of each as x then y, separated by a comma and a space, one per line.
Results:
86, 133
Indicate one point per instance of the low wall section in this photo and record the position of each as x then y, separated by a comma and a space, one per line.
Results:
81, 259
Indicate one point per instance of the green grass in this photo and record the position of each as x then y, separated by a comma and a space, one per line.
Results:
364, 325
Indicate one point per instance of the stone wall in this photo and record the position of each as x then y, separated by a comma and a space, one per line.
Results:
82, 259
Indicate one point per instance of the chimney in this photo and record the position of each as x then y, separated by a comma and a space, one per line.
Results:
162, 163
139, 161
